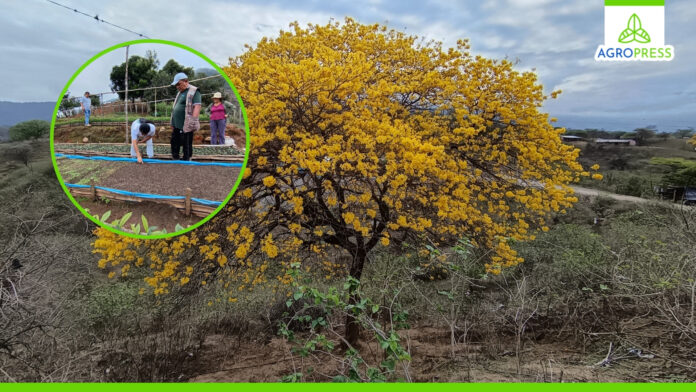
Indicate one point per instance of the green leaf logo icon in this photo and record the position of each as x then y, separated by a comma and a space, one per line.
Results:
634, 32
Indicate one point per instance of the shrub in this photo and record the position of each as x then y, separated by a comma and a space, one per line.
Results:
633, 186
20, 152
163, 108
108, 304
678, 171
32, 129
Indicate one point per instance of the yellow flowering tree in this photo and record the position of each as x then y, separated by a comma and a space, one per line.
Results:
363, 136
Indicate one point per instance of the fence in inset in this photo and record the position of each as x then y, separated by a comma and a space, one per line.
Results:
189, 205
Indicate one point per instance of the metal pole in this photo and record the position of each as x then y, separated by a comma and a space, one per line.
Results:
126, 94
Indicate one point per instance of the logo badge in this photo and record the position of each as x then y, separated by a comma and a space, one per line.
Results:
634, 30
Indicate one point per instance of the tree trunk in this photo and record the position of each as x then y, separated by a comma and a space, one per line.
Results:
352, 333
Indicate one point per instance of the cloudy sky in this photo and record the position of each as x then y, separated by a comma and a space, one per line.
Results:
44, 45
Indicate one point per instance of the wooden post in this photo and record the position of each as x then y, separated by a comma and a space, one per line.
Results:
126, 97
93, 190
187, 203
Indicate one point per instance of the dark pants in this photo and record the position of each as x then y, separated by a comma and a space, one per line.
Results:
181, 139
217, 131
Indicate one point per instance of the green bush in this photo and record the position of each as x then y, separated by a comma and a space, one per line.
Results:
163, 108
32, 129
567, 259
109, 305
632, 186
677, 171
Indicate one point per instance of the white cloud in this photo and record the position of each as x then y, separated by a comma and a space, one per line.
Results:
557, 38
580, 83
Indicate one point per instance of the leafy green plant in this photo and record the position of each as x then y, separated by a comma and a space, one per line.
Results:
293, 377
322, 338
143, 227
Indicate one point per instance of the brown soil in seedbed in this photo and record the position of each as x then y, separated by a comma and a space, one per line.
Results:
97, 133
157, 214
206, 182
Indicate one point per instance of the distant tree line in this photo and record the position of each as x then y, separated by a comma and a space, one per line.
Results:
640, 135
145, 72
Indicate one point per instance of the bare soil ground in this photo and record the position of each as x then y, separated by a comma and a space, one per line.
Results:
157, 214
207, 182
433, 360
594, 192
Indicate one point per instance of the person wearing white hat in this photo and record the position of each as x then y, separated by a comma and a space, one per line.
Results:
218, 118
185, 112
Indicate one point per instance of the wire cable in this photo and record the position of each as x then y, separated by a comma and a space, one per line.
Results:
155, 87
98, 19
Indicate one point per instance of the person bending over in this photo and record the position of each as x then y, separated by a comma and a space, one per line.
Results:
142, 131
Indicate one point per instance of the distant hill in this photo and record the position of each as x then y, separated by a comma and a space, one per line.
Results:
12, 113
663, 123
206, 71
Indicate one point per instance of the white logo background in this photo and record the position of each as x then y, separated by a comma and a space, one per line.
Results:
616, 20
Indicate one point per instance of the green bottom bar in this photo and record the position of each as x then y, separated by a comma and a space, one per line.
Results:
634, 3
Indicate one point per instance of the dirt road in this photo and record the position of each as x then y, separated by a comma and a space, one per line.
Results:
594, 193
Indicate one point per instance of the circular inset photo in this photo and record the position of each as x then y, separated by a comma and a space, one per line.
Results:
149, 139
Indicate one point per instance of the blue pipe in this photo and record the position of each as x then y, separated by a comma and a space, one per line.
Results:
206, 202
148, 160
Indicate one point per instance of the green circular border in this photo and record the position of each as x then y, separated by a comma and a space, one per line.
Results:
246, 147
